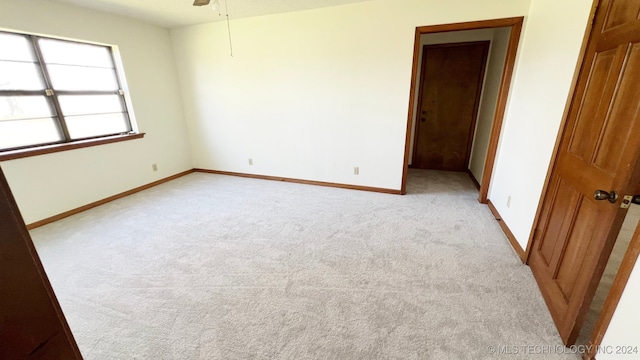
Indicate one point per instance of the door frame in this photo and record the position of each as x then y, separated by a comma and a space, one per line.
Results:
486, 46
514, 39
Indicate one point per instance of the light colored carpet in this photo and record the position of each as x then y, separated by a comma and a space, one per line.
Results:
219, 267
610, 272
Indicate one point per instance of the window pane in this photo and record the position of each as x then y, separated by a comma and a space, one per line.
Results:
20, 76
24, 107
17, 133
96, 125
90, 104
16, 48
72, 53
64, 77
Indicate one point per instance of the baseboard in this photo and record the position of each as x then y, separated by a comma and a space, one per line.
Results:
512, 239
105, 200
173, 177
299, 181
473, 178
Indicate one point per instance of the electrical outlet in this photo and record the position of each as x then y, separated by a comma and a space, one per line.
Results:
356, 170
250, 161
154, 167
509, 201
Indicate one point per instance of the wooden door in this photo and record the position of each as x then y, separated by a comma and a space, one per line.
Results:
599, 149
451, 84
32, 325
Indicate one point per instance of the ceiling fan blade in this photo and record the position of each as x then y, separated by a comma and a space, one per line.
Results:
201, 2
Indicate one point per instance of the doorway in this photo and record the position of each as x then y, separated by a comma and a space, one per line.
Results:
451, 82
488, 134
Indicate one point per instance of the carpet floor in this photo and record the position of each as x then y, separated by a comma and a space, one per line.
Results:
219, 267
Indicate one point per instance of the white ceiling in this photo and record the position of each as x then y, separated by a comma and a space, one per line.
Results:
176, 13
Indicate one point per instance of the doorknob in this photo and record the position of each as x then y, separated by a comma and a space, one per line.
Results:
612, 196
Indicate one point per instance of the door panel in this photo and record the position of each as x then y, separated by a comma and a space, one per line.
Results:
570, 262
451, 83
599, 149
585, 133
32, 325
622, 12
560, 221
617, 134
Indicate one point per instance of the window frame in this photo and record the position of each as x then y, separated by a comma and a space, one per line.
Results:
52, 97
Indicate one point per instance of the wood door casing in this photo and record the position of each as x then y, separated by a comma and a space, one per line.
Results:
32, 325
449, 95
599, 149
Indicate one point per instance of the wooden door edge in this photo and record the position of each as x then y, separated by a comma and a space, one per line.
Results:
16, 218
516, 28
412, 98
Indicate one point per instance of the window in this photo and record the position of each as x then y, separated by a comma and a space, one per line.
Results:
57, 92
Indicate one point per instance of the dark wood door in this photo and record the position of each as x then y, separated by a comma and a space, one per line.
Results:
32, 325
451, 83
599, 149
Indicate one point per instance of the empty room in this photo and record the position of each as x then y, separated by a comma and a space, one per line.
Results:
330, 179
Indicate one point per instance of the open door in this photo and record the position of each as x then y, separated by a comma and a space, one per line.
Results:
596, 165
32, 325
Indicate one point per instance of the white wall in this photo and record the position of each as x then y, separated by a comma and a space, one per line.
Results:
312, 94
51, 184
625, 325
489, 100
547, 59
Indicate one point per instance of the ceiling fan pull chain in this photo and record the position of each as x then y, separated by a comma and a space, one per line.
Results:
226, 7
